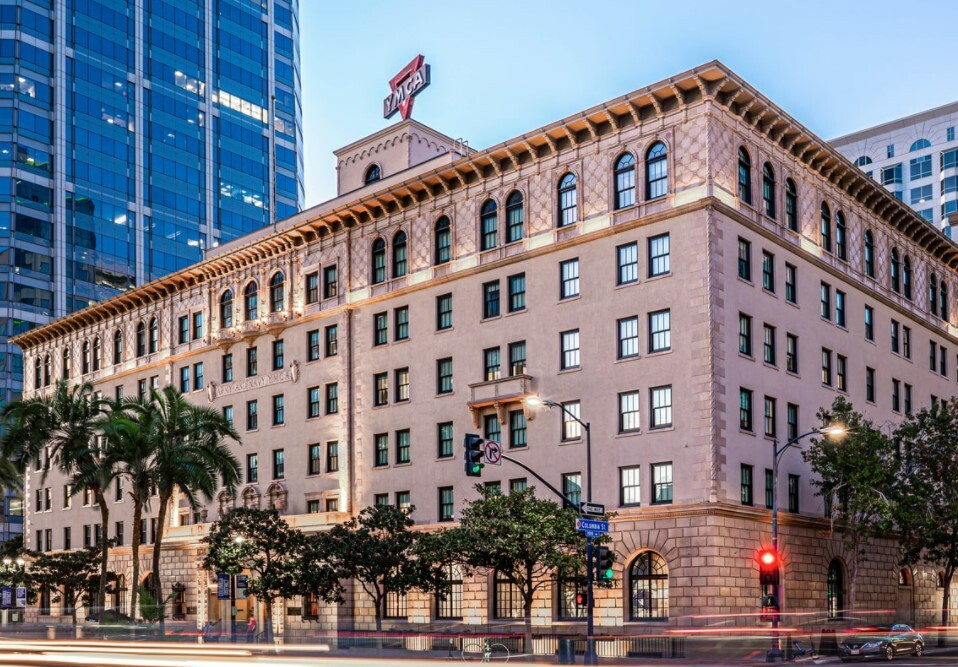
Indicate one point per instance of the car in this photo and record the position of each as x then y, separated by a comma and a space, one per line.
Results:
110, 616
881, 642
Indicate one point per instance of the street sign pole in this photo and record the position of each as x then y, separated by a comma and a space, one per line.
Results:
590, 657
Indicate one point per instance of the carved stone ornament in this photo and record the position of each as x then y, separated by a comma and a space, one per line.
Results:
211, 391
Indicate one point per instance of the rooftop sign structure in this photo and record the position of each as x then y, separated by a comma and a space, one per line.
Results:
409, 82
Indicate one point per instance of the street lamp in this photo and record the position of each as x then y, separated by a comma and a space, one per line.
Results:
590, 657
833, 431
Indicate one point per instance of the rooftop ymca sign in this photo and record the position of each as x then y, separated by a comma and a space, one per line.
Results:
409, 82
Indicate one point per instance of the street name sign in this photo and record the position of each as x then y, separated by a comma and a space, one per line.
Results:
591, 527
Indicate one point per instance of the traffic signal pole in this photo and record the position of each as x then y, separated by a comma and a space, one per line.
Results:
775, 653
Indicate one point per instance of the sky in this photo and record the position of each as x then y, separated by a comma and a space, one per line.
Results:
503, 68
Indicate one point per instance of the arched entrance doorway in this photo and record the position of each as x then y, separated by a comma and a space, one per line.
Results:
835, 589
905, 599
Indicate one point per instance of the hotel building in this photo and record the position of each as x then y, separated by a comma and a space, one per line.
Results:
686, 267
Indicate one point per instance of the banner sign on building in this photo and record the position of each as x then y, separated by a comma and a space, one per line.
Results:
6, 597
223, 586
409, 82
21, 597
242, 586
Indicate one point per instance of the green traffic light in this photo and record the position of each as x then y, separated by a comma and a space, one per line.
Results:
607, 574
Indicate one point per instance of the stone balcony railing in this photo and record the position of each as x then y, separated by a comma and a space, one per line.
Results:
501, 394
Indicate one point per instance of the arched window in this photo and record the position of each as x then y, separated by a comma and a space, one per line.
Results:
514, 223
85, 359
895, 271
442, 242
943, 301
379, 261
862, 161
37, 374
226, 309
835, 589
488, 225
507, 598
791, 205
919, 145
768, 190
744, 175
450, 606
277, 292
65, 364
118, 346
906, 277
97, 354
940, 580
826, 228
46, 371
140, 339
933, 294
373, 174
624, 177
904, 577
399, 254
869, 254
251, 301
568, 589
568, 200
841, 235
656, 171
154, 340
648, 588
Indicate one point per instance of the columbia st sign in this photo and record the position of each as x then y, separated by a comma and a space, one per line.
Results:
409, 82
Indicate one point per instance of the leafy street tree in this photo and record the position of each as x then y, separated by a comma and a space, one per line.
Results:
262, 542
380, 550
853, 475
927, 493
189, 454
71, 577
526, 539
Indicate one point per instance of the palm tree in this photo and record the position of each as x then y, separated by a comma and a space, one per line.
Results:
189, 451
128, 450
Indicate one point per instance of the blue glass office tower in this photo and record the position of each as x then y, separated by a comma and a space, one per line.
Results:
134, 134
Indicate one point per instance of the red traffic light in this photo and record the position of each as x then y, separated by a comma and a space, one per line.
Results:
768, 558
580, 599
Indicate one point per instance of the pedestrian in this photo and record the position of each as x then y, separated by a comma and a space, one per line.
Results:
251, 630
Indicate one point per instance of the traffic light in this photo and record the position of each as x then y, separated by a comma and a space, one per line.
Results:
580, 599
769, 566
603, 564
474, 455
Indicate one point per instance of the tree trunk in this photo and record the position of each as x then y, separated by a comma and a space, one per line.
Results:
157, 547
268, 621
945, 605
527, 612
134, 586
853, 580
104, 552
380, 608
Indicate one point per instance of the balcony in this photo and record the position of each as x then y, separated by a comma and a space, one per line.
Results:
249, 329
501, 394
276, 322
225, 337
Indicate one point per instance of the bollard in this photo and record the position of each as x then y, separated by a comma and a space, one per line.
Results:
566, 652
51, 632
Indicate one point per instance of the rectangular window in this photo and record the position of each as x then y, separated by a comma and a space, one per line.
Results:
768, 271
569, 278
932, 355
517, 358
444, 438
380, 329
197, 325
67, 545
943, 361
279, 410
490, 299
895, 344
907, 399
402, 446
315, 460
826, 301
627, 263
919, 167
279, 464
841, 372
660, 331
312, 507
517, 292
518, 484
768, 344
490, 364
746, 484
444, 376
629, 411
402, 384
630, 490
228, 414
769, 488
447, 504
381, 499
770, 425
791, 287
312, 345
826, 367
332, 504
312, 287
330, 282
869, 323
628, 343
949, 134
252, 415
896, 395
745, 409
227, 368
312, 403
661, 483
198, 376
332, 398
744, 334
381, 441
571, 429
491, 428
572, 487
793, 493
185, 379
660, 262
401, 323
517, 429
332, 340
444, 312
380, 389
660, 399
332, 456
839, 308
791, 419
744, 259
870, 385
403, 500
570, 349
252, 468
250, 361
183, 326
141, 388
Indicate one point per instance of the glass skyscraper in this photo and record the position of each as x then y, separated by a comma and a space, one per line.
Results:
135, 134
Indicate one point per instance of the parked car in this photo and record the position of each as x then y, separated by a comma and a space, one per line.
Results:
881, 643
110, 616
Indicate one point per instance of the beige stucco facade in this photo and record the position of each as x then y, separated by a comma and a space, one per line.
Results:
706, 536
